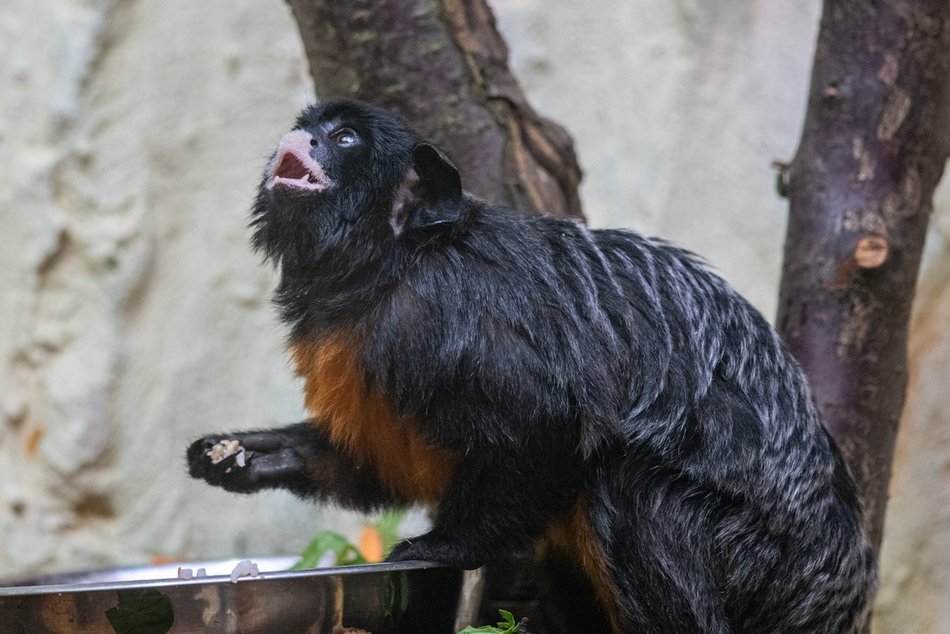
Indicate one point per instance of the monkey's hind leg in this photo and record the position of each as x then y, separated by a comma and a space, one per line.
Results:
654, 576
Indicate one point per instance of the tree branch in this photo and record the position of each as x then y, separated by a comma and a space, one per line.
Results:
875, 140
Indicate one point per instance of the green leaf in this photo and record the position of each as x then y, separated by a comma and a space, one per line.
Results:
388, 527
507, 626
328, 541
509, 619
141, 612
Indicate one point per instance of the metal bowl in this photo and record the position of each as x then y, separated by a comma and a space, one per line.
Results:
377, 598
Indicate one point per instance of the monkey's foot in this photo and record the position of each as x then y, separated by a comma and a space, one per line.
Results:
436, 547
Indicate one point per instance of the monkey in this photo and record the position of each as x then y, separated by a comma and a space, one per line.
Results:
535, 381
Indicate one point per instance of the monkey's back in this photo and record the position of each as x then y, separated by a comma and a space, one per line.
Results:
705, 465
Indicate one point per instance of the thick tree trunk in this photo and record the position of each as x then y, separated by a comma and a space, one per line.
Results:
443, 66
875, 140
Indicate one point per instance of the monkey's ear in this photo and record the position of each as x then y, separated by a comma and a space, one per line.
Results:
431, 194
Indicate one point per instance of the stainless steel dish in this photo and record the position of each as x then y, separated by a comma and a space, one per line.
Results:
380, 598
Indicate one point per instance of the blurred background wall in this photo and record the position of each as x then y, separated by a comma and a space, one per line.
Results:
133, 317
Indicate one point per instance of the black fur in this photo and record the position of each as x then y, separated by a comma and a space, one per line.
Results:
562, 364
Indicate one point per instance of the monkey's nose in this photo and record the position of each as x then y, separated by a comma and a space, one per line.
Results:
299, 141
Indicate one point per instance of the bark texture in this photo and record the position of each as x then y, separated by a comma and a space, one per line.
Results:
443, 66
875, 140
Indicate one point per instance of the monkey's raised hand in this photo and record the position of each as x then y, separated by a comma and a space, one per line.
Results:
297, 458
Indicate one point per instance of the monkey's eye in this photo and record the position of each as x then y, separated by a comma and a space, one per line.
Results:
345, 137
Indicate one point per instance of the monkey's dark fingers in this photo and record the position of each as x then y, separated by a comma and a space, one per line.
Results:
246, 471
198, 455
264, 471
262, 441
227, 450
268, 441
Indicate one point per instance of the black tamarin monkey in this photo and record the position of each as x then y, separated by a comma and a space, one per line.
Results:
536, 380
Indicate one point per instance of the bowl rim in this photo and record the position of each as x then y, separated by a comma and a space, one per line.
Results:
31, 586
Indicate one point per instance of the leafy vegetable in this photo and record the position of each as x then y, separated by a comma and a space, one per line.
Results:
507, 626
386, 528
329, 542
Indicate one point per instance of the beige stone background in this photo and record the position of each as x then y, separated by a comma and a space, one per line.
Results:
134, 318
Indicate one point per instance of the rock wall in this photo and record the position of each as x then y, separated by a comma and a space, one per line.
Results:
133, 316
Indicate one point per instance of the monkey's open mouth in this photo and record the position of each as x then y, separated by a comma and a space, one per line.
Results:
294, 168
291, 172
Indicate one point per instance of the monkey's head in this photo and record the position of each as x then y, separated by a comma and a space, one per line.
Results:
348, 173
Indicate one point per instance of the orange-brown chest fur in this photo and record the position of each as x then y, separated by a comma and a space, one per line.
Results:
361, 421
